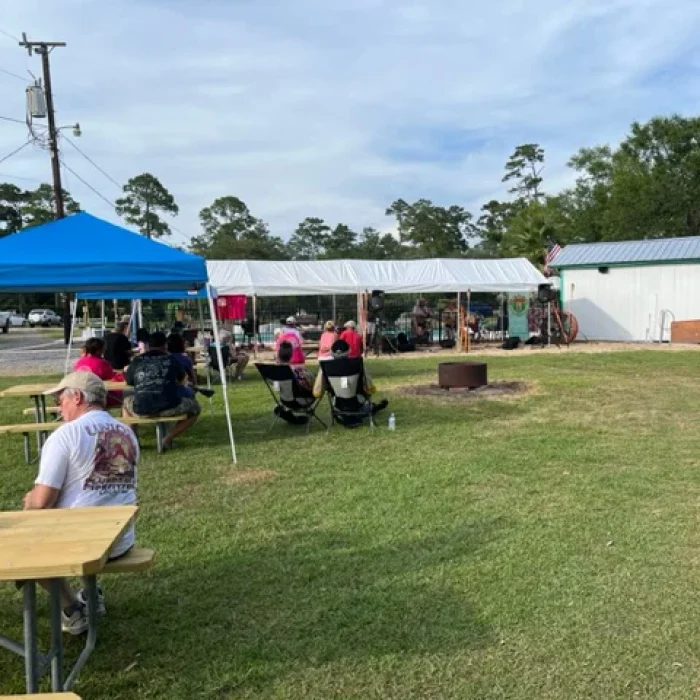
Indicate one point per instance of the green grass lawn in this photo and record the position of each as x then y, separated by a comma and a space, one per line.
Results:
539, 547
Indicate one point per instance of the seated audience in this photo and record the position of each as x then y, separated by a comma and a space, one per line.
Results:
328, 337
303, 377
341, 350
118, 347
234, 357
304, 380
92, 360
353, 339
142, 338
157, 377
91, 460
176, 347
290, 334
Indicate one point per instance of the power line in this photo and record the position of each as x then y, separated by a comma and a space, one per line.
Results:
14, 75
10, 119
9, 36
87, 184
92, 162
111, 179
17, 150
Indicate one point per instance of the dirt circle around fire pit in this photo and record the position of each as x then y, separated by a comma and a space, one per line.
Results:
493, 390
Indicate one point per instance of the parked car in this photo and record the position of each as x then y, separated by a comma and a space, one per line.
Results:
15, 318
4, 321
44, 317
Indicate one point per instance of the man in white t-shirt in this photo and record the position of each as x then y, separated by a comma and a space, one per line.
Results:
89, 461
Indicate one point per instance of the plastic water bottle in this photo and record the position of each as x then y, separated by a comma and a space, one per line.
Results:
392, 422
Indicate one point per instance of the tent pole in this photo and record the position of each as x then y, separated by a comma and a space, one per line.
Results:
469, 302
255, 326
365, 296
549, 323
200, 314
333, 315
102, 313
73, 308
458, 323
222, 373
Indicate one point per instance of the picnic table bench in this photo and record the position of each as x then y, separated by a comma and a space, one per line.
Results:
25, 429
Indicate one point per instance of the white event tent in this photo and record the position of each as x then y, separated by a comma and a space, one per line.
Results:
296, 278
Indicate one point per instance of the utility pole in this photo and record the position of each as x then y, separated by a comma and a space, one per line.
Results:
43, 49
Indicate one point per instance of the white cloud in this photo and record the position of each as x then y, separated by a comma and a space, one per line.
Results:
334, 109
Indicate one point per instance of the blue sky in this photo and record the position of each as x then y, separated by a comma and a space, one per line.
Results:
334, 109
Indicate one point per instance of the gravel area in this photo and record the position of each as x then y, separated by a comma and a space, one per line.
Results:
32, 351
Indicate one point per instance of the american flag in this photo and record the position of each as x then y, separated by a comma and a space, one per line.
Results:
552, 252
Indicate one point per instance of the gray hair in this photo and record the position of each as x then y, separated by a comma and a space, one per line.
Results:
92, 398
224, 336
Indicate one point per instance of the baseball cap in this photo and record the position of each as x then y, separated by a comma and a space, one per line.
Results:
85, 381
350, 324
290, 320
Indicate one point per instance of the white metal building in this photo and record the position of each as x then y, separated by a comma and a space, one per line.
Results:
631, 290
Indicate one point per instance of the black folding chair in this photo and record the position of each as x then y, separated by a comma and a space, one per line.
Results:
284, 388
344, 380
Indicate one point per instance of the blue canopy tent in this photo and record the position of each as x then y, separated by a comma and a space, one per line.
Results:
82, 253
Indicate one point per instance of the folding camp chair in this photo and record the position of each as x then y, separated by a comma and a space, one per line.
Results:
344, 379
288, 394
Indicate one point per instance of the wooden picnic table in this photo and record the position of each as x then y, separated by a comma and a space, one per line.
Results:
53, 544
37, 393
40, 389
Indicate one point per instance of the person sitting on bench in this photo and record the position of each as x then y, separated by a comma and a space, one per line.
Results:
91, 460
92, 360
156, 377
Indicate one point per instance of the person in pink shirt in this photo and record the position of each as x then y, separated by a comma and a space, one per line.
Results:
353, 339
328, 337
92, 360
291, 335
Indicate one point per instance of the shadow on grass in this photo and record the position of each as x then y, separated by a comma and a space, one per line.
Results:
304, 599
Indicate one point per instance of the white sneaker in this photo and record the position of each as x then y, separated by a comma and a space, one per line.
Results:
82, 598
76, 623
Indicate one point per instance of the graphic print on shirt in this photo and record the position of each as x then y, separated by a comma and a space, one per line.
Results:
114, 470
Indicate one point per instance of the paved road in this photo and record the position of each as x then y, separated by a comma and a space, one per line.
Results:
25, 351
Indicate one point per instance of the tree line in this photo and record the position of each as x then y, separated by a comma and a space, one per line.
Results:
646, 187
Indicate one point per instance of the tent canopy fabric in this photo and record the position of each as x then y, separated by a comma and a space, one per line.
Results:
298, 278
83, 253
174, 294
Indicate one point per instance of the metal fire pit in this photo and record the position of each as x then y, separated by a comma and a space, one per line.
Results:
462, 375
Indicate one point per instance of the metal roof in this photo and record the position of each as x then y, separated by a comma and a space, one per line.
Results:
661, 250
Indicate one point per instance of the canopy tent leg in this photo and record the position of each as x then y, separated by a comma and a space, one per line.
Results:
200, 313
363, 310
458, 343
469, 303
102, 316
255, 326
220, 359
73, 310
